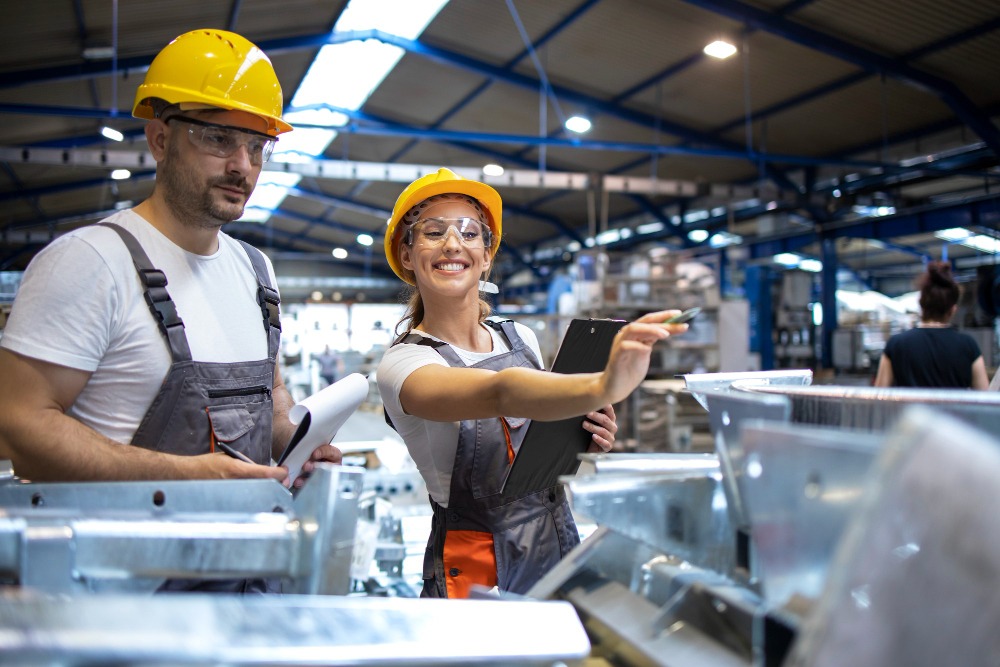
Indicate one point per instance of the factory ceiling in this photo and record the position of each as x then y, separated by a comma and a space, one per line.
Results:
864, 128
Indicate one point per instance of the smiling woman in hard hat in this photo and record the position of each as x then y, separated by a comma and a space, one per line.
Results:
459, 387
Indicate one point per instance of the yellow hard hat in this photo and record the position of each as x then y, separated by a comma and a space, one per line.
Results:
213, 68
443, 181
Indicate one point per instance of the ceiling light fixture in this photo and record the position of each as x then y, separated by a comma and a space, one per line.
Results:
365, 239
577, 124
720, 49
339, 253
492, 170
121, 174
112, 134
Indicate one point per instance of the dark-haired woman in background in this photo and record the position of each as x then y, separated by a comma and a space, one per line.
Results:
934, 354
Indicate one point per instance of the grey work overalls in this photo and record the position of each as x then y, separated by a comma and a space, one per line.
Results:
202, 402
531, 533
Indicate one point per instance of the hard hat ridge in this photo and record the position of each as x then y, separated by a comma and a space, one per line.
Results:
214, 68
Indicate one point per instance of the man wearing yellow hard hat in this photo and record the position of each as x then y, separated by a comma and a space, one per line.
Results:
460, 387
141, 347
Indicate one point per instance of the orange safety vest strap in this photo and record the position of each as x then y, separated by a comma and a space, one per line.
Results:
469, 559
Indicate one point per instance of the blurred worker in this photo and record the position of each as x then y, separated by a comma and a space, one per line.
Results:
934, 354
155, 329
329, 365
458, 388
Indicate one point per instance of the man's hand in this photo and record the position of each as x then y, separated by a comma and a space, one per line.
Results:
323, 454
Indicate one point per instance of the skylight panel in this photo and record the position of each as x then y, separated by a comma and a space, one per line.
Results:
342, 76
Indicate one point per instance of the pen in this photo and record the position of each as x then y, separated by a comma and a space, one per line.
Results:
683, 317
232, 452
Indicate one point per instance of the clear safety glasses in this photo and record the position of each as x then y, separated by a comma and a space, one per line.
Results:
434, 231
224, 140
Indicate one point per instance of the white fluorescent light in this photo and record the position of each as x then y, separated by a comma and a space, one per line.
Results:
365, 239
698, 235
577, 124
813, 265
787, 259
121, 174
339, 253
493, 170
954, 234
650, 228
112, 134
720, 49
609, 236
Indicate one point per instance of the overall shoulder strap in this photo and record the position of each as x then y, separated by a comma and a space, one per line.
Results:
267, 297
154, 285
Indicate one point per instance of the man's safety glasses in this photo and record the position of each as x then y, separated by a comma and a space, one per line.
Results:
224, 140
434, 232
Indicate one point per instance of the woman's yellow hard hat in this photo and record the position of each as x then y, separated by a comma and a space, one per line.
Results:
443, 181
213, 68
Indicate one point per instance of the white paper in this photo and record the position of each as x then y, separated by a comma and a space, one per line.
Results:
319, 417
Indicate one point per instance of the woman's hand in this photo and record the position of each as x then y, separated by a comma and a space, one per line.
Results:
629, 359
601, 423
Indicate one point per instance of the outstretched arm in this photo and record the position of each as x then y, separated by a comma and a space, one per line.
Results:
45, 444
442, 393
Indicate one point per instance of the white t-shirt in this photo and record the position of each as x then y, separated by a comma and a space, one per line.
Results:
432, 445
81, 305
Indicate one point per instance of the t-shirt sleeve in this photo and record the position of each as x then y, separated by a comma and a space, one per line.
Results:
398, 362
65, 310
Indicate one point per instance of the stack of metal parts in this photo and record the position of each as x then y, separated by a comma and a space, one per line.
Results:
834, 526
78, 562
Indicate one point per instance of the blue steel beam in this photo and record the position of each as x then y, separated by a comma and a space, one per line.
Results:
851, 79
384, 129
946, 91
435, 54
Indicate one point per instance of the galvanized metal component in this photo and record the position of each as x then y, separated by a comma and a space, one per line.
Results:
285, 630
878, 409
800, 486
681, 513
163, 497
915, 577
727, 410
701, 383
87, 549
647, 462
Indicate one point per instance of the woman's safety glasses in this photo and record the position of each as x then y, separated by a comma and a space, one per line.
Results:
224, 140
434, 231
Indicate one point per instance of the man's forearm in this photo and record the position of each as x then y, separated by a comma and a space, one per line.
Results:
281, 428
51, 446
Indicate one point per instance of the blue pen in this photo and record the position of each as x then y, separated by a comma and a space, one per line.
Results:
232, 452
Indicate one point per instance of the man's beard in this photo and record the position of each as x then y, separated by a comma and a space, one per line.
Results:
192, 201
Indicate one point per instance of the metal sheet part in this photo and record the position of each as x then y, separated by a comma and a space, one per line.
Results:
94, 546
800, 485
700, 383
870, 408
647, 462
682, 514
726, 413
915, 579
285, 630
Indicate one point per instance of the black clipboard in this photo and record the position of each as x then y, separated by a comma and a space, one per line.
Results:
551, 448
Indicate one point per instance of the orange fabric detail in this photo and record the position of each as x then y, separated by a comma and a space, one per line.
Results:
468, 553
506, 436
211, 433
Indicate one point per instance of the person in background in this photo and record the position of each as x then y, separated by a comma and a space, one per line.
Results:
459, 388
934, 354
329, 365
137, 345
